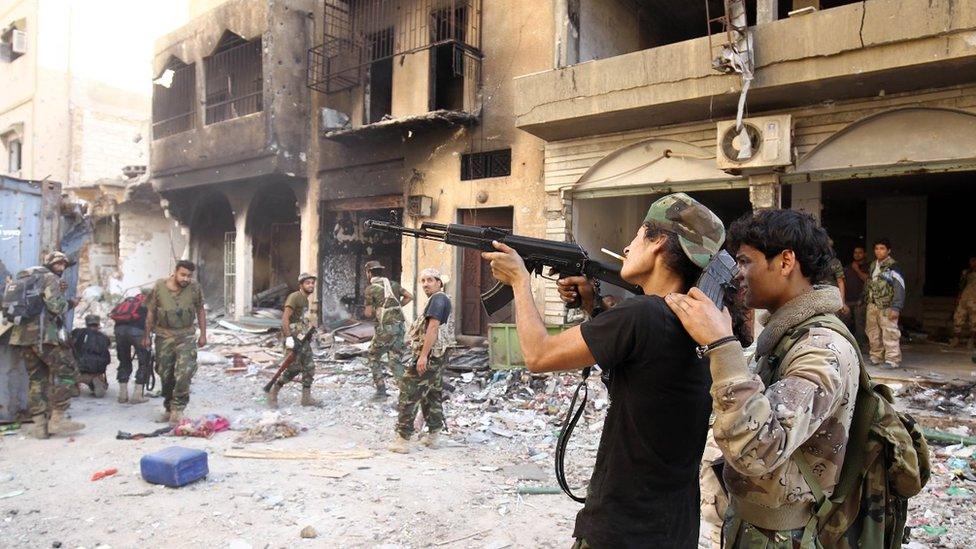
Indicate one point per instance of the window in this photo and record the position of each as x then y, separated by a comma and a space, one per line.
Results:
14, 155
174, 91
234, 78
486, 164
13, 41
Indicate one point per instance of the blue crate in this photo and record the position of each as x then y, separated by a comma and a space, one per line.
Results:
174, 466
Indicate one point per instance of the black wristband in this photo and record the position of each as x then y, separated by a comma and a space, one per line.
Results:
701, 350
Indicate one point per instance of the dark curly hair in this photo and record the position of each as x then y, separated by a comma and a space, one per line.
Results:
772, 231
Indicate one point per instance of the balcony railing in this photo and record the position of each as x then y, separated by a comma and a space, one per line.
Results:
234, 82
173, 106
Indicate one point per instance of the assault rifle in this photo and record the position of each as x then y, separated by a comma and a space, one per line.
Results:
563, 258
292, 355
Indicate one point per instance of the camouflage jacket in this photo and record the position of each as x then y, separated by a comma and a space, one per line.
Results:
967, 286
885, 288
383, 296
807, 408
55, 305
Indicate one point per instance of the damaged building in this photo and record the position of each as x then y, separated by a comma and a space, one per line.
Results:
862, 113
230, 114
413, 103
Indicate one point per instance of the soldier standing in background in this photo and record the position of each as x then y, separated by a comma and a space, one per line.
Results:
130, 329
855, 275
295, 323
884, 294
176, 303
50, 364
385, 300
966, 307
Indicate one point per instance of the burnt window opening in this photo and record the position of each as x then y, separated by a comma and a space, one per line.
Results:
486, 164
447, 28
234, 79
378, 96
14, 155
173, 101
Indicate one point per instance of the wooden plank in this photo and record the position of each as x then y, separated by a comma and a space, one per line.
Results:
268, 453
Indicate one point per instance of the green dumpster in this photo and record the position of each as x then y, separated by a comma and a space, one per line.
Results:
504, 352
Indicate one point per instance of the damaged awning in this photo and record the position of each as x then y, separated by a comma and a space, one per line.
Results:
403, 126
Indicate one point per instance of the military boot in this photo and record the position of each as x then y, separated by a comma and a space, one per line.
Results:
164, 417
175, 416
99, 386
307, 399
381, 393
137, 395
60, 425
400, 445
432, 440
273, 396
124, 392
40, 427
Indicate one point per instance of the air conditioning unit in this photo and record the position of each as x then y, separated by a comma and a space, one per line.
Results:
18, 42
767, 144
420, 205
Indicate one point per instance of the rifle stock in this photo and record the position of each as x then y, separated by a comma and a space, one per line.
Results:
290, 359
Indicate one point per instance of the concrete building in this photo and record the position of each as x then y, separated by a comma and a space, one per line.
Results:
414, 123
862, 113
230, 122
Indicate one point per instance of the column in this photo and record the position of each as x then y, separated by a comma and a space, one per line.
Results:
764, 192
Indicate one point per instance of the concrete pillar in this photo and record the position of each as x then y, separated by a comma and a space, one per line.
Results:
308, 210
765, 192
806, 198
767, 11
240, 203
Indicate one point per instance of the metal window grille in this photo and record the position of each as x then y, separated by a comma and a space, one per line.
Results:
486, 164
173, 109
230, 266
235, 81
352, 28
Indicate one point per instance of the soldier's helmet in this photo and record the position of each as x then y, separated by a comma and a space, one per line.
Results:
56, 257
305, 276
93, 320
374, 265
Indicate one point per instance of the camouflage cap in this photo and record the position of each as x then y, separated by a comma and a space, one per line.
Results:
374, 265
699, 231
305, 276
56, 257
92, 319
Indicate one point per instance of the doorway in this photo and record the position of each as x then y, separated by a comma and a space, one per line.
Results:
476, 274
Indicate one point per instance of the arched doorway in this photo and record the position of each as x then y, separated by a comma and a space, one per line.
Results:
274, 227
211, 244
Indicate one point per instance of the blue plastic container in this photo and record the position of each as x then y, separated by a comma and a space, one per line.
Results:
174, 467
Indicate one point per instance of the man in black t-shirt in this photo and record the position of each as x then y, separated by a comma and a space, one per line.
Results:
644, 489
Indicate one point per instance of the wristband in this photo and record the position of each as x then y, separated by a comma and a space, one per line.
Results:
701, 350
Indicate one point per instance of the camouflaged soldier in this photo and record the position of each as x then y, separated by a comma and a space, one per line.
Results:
964, 319
384, 300
50, 363
777, 418
295, 324
173, 307
884, 295
422, 385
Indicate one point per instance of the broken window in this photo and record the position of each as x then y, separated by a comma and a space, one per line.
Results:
486, 164
174, 91
378, 96
234, 78
14, 155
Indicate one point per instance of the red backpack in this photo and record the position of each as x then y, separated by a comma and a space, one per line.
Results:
127, 311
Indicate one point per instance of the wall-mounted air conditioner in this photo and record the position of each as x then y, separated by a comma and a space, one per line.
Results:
763, 144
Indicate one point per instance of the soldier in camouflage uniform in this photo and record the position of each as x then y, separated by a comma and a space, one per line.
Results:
173, 307
385, 300
884, 295
964, 319
51, 365
295, 324
772, 415
422, 385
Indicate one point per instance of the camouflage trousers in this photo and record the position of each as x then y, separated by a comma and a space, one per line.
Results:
741, 534
884, 337
303, 365
424, 391
965, 316
176, 362
52, 375
388, 341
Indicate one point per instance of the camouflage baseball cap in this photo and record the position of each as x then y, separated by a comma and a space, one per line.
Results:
92, 319
699, 231
55, 257
374, 265
305, 276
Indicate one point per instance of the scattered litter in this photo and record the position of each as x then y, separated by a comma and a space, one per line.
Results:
203, 427
104, 473
537, 490
122, 435
266, 432
308, 533
208, 357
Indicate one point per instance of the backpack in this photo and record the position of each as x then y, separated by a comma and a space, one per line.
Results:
887, 462
127, 311
23, 297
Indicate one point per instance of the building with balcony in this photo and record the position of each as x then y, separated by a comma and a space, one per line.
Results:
230, 123
862, 113
414, 122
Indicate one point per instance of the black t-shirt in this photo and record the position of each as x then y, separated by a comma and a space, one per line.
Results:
654, 433
438, 307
